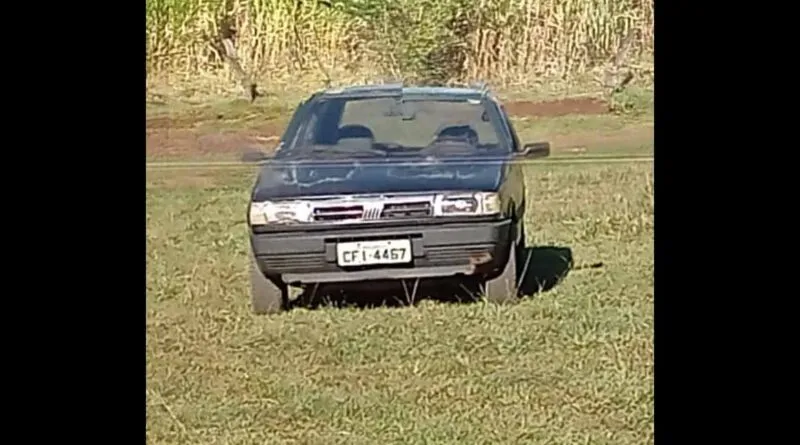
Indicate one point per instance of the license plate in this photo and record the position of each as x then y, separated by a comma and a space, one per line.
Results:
364, 253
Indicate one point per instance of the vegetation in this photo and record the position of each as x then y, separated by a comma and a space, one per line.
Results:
570, 365
510, 43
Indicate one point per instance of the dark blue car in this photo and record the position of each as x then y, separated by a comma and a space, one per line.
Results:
387, 184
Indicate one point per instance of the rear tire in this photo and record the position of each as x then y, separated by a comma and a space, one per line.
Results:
266, 297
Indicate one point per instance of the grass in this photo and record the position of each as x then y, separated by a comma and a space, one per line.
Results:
571, 365
220, 112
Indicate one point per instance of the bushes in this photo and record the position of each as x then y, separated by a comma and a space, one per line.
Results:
504, 41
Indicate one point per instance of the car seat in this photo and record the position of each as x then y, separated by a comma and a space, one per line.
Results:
457, 133
355, 132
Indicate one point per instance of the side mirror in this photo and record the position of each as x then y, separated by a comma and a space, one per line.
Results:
255, 156
535, 150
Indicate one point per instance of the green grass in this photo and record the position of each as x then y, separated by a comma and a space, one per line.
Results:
572, 365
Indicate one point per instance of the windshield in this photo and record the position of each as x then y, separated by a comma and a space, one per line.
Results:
386, 126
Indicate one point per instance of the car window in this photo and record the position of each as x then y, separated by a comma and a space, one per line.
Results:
509, 126
387, 122
429, 117
297, 118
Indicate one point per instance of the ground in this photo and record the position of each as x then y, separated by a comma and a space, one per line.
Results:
225, 134
572, 363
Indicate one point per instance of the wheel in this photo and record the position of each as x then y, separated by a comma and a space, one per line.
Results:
266, 297
504, 288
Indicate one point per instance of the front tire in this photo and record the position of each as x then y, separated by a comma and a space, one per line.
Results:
266, 297
503, 288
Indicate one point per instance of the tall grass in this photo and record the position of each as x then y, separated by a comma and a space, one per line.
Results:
507, 42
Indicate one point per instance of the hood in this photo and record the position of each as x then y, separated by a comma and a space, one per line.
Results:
289, 178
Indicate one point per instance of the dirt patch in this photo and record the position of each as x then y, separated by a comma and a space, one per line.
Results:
175, 139
561, 107
181, 137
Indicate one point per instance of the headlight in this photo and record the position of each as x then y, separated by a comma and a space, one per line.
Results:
482, 203
262, 213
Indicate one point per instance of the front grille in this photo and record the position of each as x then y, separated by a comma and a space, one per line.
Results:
339, 213
373, 211
403, 210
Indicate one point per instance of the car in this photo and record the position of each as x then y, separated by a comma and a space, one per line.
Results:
389, 183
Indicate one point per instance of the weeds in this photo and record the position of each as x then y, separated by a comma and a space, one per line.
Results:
570, 365
510, 42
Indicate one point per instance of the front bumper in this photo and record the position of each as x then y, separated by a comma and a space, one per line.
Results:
439, 251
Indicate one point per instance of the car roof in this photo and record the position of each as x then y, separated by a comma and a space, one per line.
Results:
401, 90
